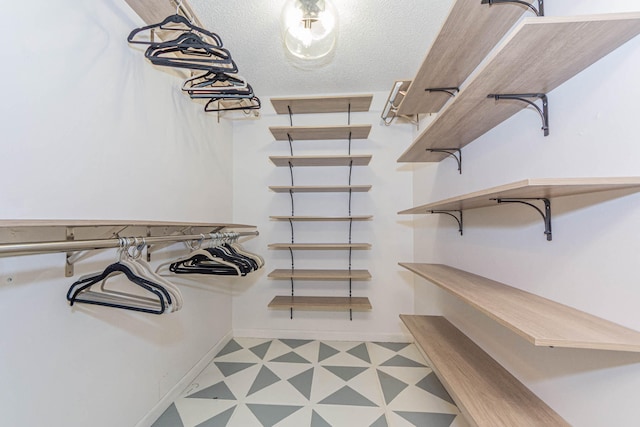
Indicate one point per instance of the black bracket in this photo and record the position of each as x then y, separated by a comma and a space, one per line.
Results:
450, 90
451, 152
546, 215
544, 111
458, 220
539, 11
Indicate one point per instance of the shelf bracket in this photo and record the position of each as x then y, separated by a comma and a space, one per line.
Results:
452, 153
546, 215
458, 220
539, 11
544, 111
68, 265
448, 90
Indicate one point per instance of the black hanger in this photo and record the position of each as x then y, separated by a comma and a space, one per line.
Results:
191, 52
174, 19
254, 104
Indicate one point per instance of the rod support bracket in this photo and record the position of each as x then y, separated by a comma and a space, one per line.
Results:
539, 11
544, 111
450, 152
546, 215
451, 91
68, 266
457, 218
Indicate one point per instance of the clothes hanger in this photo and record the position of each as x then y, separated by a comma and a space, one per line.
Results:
189, 51
201, 261
212, 83
232, 104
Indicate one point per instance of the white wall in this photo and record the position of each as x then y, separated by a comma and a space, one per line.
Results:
391, 289
591, 264
90, 130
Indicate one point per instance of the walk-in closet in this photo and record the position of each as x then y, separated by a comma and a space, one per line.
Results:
311, 213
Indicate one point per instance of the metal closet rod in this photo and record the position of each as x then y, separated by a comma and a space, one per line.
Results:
18, 249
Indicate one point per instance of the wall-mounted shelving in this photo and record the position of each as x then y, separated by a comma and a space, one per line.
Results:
320, 246
526, 190
539, 55
540, 321
336, 160
322, 218
320, 133
467, 36
320, 188
320, 303
486, 393
322, 104
301, 274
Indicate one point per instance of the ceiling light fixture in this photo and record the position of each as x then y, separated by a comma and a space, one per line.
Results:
310, 28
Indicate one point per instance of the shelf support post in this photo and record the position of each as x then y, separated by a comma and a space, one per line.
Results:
544, 111
68, 265
451, 91
539, 11
546, 215
458, 220
452, 153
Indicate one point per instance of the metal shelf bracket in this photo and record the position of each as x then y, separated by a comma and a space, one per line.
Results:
544, 111
458, 220
546, 215
452, 153
539, 11
448, 90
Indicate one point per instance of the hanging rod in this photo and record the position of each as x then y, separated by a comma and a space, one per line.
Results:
19, 249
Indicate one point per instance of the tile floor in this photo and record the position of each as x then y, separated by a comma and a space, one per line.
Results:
299, 383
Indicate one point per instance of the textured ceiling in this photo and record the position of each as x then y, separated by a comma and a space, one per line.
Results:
379, 41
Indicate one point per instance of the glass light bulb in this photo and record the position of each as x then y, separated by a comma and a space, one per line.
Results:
310, 28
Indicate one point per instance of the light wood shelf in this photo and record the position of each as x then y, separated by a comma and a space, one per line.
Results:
470, 32
530, 188
540, 321
320, 246
152, 11
336, 160
316, 133
539, 55
320, 188
485, 392
322, 104
320, 274
22, 223
322, 218
321, 303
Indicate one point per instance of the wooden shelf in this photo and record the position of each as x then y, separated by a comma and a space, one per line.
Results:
21, 223
485, 392
320, 246
322, 104
152, 11
321, 303
540, 321
530, 188
358, 160
320, 274
282, 133
323, 218
470, 32
320, 188
539, 55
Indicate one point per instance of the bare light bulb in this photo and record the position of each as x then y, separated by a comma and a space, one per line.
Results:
310, 28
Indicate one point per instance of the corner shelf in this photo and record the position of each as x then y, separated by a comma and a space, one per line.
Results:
541, 188
467, 36
538, 56
315, 133
320, 274
321, 303
320, 246
322, 104
322, 218
320, 188
337, 160
540, 321
486, 393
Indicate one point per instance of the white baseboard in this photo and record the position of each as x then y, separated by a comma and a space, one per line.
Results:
323, 335
177, 389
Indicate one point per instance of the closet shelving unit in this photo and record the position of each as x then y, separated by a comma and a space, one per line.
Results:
319, 105
540, 54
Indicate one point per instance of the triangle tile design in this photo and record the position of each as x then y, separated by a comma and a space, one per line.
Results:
280, 383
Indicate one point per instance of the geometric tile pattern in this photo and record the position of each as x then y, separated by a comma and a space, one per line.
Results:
298, 383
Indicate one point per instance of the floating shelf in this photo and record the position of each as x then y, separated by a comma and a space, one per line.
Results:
323, 218
337, 160
320, 274
470, 32
320, 188
320, 246
529, 188
540, 321
538, 56
322, 104
321, 303
282, 133
486, 393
